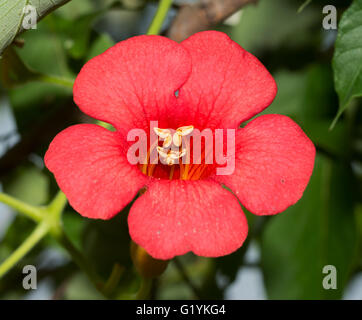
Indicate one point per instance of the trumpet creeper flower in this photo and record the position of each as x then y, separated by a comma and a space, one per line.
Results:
206, 82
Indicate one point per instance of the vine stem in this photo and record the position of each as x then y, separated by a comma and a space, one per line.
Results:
64, 82
22, 207
159, 18
144, 290
39, 232
49, 221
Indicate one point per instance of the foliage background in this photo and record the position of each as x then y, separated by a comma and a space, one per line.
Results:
284, 255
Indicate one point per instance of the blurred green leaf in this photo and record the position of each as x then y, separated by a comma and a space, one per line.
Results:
12, 15
304, 94
80, 35
271, 24
107, 242
101, 44
17, 232
348, 56
319, 230
172, 284
30, 185
74, 225
76, 41
80, 288
13, 69
44, 49
335, 142
308, 97
44, 53
75, 9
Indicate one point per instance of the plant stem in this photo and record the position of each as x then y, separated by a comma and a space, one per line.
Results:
304, 5
145, 289
57, 205
22, 207
64, 82
113, 279
49, 220
160, 16
40, 231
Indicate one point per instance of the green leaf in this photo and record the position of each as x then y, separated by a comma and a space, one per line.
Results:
80, 36
319, 230
101, 44
12, 15
30, 185
80, 288
305, 94
44, 50
308, 97
13, 69
106, 243
272, 24
74, 225
347, 57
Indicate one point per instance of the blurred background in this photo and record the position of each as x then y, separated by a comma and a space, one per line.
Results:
284, 255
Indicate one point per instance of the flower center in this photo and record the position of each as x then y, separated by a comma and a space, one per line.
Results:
174, 155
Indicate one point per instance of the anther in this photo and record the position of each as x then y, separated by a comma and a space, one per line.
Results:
181, 132
177, 139
167, 142
162, 133
171, 155
185, 130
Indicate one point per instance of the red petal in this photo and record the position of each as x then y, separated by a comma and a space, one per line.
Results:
92, 171
133, 82
274, 161
227, 85
174, 217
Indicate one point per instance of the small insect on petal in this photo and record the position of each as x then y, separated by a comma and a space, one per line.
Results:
185, 130
162, 133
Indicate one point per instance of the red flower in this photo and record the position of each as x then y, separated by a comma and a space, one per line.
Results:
207, 81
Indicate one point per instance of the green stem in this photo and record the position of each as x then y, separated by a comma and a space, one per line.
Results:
145, 289
57, 205
64, 82
40, 231
160, 16
304, 5
22, 207
113, 279
49, 220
